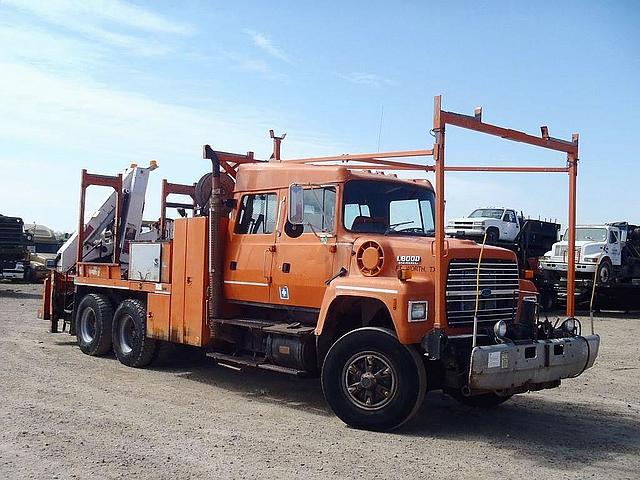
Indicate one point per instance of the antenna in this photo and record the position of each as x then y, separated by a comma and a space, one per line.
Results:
380, 128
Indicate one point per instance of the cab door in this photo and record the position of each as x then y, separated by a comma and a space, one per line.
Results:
304, 256
249, 255
615, 250
510, 225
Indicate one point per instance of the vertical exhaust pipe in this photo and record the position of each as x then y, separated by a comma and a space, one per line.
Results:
215, 245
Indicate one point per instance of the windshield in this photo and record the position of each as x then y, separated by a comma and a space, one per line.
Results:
593, 234
388, 208
487, 213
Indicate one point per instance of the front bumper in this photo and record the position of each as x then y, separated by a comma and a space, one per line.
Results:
528, 366
464, 231
562, 267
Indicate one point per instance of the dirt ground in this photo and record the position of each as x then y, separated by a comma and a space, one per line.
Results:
67, 415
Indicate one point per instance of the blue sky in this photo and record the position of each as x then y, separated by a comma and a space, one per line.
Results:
100, 84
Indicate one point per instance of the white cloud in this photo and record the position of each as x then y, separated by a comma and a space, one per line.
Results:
80, 123
104, 21
370, 79
64, 12
266, 44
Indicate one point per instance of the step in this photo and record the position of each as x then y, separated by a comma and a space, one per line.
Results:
295, 329
252, 362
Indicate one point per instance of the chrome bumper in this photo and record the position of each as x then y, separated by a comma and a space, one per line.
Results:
510, 366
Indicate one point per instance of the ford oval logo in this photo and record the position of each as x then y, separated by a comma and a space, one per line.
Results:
485, 292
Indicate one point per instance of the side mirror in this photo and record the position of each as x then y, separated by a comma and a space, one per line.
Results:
296, 204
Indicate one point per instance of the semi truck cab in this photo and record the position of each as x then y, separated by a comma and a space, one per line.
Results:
605, 252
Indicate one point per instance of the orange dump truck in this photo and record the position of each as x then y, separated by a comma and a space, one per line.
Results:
320, 266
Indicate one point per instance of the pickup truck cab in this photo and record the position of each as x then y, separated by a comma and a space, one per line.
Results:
498, 223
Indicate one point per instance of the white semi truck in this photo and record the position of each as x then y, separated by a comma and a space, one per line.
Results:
608, 253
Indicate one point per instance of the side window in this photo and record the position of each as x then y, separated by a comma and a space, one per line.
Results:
613, 237
319, 209
257, 214
353, 211
509, 216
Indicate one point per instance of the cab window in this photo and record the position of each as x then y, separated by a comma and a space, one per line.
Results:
509, 216
319, 209
257, 214
613, 237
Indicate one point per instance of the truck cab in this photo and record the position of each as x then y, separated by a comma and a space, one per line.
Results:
600, 254
499, 224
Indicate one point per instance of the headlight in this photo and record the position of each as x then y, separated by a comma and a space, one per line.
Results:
417, 311
500, 328
591, 260
569, 326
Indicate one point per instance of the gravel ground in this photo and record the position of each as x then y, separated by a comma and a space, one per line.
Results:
67, 415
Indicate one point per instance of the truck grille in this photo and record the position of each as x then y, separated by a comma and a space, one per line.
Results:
498, 291
461, 225
562, 250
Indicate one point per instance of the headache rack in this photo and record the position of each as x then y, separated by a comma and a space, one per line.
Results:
387, 161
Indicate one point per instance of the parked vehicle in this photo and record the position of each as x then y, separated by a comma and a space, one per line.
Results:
534, 239
499, 224
43, 251
316, 269
15, 244
608, 253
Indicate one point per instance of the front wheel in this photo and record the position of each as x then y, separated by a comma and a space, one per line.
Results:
605, 272
493, 234
372, 381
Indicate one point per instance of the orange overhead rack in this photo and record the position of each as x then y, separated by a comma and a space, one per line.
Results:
441, 118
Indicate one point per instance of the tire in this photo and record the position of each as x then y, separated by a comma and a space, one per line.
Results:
94, 318
547, 300
486, 400
493, 234
605, 272
374, 350
130, 342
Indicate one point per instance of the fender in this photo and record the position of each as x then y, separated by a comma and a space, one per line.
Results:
391, 292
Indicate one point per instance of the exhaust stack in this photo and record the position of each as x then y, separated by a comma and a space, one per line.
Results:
215, 246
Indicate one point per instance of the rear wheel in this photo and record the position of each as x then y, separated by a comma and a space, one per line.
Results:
372, 381
93, 324
130, 342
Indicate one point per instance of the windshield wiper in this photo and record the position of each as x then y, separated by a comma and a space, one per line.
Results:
391, 228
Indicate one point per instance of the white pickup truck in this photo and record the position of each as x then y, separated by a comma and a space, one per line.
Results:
610, 248
500, 224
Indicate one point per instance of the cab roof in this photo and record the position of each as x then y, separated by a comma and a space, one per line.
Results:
272, 175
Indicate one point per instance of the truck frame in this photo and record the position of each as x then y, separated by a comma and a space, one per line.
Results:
321, 266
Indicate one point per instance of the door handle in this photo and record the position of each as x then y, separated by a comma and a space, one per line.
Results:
265, 274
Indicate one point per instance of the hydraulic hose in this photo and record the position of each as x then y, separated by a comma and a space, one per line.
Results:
475, 311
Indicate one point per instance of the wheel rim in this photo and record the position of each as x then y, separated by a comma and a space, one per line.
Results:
369, 380
88, 325
126, 334
604, 274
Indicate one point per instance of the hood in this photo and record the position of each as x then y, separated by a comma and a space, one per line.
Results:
471, 219
416, 253
579, 243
